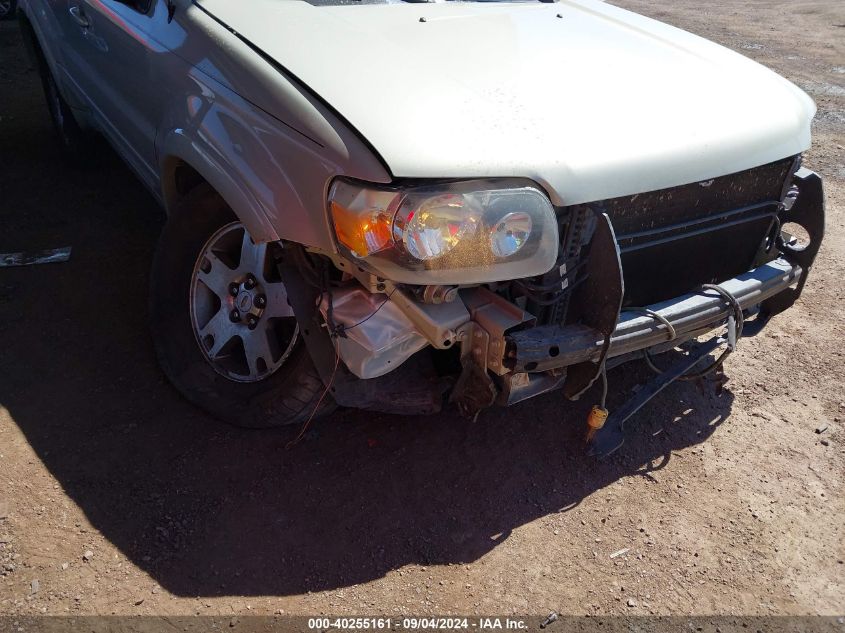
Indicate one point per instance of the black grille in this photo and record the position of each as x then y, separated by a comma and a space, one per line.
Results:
673, 240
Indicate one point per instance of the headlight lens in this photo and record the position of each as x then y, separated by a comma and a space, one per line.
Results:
510, 234
466, 232
431, 227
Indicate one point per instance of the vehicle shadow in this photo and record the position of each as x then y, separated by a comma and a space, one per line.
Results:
208, 510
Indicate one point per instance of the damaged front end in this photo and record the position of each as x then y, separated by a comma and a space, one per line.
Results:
627, 275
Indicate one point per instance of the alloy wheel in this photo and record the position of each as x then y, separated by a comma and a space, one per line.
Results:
239, 309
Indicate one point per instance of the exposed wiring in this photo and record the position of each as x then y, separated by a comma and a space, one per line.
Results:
659, 317
337, 332
320, 280
739, 323
604, 384
367, 318
307, 423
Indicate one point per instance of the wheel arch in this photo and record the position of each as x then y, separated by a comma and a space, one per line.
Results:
183, 167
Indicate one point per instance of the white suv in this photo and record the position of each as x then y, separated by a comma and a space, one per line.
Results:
391, 205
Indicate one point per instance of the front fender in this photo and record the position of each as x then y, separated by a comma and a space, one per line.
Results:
177, 147
265, 144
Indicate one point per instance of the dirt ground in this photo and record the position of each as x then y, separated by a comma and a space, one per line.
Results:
116, 496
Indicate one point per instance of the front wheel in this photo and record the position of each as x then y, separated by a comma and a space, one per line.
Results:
224, 332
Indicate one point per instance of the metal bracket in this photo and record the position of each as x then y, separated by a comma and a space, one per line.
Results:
611, 436
474, 390
808, 212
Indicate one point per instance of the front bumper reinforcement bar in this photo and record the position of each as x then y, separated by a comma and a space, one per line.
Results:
551, 347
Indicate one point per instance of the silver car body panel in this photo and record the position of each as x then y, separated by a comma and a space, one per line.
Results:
191, 91
270, 100
588, 100
594, 104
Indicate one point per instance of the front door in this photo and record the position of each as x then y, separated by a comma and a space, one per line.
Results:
111, 50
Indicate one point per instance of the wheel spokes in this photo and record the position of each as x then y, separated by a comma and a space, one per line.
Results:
221, 330
217, 277
252, 256
257, 349
237, 315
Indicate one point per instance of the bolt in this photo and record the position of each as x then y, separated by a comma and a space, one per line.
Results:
260, 301
252, 322
234, 289
235, 316
250, 282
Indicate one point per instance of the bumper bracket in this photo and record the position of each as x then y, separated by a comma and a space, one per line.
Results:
611, 436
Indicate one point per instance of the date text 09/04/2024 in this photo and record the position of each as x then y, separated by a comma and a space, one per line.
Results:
410, 623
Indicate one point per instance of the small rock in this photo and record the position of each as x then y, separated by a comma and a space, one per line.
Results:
65, 566
139, 602
821, 428
9, 567
825, 443
88, 555
631, 602
556, 532
34, 586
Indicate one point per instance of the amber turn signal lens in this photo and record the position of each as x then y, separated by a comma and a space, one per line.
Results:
362, 234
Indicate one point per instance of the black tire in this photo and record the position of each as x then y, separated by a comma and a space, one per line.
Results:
287, 396
8, 9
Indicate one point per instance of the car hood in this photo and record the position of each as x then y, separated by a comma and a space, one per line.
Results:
589, 100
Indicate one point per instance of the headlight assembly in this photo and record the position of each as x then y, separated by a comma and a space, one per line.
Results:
452, 233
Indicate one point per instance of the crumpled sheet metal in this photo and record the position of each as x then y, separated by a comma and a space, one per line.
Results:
378, 336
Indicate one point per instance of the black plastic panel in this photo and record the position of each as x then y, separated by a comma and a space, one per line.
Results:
673, 240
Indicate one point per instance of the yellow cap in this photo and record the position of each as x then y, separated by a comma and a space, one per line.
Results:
597, 417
